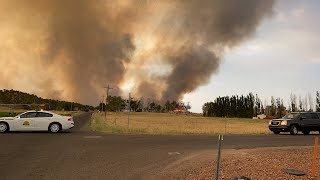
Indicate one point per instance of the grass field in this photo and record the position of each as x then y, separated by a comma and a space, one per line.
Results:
7, 114
166, 124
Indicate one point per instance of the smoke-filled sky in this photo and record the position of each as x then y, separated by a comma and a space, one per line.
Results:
163, 50
283, 57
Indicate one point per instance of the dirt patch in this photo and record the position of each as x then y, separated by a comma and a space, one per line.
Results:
262, 163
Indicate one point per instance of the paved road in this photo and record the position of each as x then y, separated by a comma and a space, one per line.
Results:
82, 154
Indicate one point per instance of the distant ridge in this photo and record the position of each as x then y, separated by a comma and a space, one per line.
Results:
18, 97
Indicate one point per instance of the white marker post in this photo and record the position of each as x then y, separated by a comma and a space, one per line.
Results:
129, 110
219, 156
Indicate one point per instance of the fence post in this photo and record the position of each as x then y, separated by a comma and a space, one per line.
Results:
219, 157
225, 126
316, 139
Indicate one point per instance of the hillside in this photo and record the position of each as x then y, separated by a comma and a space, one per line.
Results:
17, 97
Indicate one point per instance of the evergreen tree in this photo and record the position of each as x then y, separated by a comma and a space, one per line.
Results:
257, 106
293, 99
273, 107
318, 101
300, 104
116, 103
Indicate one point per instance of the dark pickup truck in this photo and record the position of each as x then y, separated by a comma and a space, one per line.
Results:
295, 122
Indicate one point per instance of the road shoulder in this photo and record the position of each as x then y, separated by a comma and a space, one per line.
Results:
258, 163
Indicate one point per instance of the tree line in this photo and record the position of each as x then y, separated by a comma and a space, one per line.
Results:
17, 97
247, 106
117, 103
114, 103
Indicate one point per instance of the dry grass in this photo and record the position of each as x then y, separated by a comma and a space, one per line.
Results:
3, 108
164, 123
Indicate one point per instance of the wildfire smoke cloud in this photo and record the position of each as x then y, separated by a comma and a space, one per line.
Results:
69, 49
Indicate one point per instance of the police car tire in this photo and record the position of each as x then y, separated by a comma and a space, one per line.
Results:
4, 127
55, 127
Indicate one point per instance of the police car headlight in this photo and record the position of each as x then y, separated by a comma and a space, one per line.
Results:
284, 123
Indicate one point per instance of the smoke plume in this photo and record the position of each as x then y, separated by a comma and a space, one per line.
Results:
70, 49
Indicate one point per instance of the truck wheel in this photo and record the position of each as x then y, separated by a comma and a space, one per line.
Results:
305, 132
293, 130
276, 132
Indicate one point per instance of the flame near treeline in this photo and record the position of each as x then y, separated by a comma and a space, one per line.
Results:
70, 49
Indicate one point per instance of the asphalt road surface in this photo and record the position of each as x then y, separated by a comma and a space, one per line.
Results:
82, 154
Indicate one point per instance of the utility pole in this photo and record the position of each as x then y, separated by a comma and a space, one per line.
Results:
101, 102
105, 109
129, 110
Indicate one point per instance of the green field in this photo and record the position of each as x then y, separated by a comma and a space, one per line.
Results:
164, 123
7, 114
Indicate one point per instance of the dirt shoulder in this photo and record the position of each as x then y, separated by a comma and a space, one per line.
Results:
259, 163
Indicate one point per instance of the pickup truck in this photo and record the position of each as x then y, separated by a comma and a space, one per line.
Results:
295, 122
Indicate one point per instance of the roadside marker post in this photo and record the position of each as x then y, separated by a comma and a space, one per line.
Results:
107, 102
315, 149
129, 110
219, 156
225, 126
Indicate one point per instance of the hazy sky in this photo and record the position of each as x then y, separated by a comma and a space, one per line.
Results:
160, 49
282, 58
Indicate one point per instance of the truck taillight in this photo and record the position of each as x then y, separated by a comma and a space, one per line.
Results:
70, 119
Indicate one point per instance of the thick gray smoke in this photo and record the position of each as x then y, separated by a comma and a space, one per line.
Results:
78, 46
207, 28
94, 44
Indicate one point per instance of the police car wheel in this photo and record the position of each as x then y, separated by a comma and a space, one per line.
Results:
54, 128
3, 127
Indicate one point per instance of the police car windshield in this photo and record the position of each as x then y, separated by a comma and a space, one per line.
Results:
292, 116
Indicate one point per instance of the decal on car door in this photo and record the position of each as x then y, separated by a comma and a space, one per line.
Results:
26, 123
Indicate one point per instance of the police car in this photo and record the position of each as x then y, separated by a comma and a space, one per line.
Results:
36, 121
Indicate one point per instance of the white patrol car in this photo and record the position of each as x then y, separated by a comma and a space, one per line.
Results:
36, 121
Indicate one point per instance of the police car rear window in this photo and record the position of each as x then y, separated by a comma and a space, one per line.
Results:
42, 114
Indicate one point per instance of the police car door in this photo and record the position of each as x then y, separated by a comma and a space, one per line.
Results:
43, 120
26, 121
